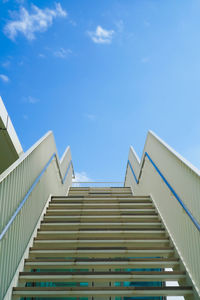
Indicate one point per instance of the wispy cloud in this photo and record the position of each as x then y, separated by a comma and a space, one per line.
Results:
101, 35
145, 60
147, 23
4, 78
20, 1
41, 55
62, 53
6, 64
25, 117
81, 177
90, 117
28, 23
120, 25
31, 100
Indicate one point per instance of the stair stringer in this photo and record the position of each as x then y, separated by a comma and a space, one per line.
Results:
175, 187
182, 264
14, 281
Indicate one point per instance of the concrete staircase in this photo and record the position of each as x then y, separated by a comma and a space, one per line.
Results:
102, 243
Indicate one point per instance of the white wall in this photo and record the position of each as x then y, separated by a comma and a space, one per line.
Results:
185, 180
15, 182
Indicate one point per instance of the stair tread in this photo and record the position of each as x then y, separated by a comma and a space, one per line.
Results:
105, 259
105, 288
103, 291
94, 232
104, 273
107, 248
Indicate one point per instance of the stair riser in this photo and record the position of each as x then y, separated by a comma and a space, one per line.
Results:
100, 213
102, 201
58, 227
68, 235
104, 293
65, 244
100, 206
100, 195
103, 279
100, 266
101, 231
102, 254
82, 219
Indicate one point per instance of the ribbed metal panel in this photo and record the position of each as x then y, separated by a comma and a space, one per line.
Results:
14, 184
185, 180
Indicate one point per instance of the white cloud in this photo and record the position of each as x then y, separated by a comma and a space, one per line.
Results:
36, 21
80, 177
25, 117
31, 100
4, 78
62, 53
90, 117
20, 1
147, 23
145, 60
6, 64
41, 55
101, 36
120, 26
21, 63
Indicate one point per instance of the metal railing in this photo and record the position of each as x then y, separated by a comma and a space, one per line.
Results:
97, 183
174, 185
6, 228
195, 222
24, 189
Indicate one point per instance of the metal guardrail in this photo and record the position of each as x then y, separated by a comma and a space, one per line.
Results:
97, 183
195, 222
31, 189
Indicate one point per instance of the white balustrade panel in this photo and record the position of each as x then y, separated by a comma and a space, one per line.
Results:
14, 184
185, 180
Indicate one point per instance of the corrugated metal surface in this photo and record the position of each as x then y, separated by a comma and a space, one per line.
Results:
185, 180
14, 184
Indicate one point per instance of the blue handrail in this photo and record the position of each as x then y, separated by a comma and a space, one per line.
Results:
31, 189
167, 184
69, 165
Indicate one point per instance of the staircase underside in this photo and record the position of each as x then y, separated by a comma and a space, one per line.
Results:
102, 243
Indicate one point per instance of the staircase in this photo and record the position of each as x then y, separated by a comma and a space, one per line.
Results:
101, 243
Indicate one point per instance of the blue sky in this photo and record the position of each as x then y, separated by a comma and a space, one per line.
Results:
100, 74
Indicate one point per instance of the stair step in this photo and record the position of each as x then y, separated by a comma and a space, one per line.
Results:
103, 210
101, 200
78, 195
88, 235
113, 243
101, 263
99, 291
85, 226
100, 276
102, 233
109, 253
96, 212
101, 206
100, 194
99, 190
118, 218
92, 223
